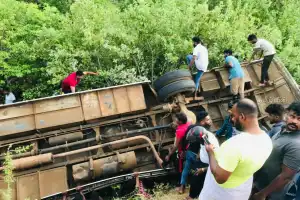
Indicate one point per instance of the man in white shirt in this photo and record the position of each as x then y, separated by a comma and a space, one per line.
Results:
9, 96
200, 59
268, 51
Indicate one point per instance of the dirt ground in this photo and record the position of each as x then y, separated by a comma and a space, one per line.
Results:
171, 195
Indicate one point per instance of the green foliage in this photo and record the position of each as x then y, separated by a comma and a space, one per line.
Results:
42, 41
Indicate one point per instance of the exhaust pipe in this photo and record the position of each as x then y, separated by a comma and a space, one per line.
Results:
33, 161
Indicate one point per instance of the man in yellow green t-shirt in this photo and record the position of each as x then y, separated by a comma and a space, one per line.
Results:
231, 167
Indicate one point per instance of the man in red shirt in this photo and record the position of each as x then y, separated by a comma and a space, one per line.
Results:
69, 84
182, 126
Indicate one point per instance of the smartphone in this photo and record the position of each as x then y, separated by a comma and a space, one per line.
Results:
205, 138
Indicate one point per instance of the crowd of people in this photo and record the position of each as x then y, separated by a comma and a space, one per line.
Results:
199, 58
250, 164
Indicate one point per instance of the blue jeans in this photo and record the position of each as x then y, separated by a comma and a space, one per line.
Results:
298, 189
199, 72
190, 158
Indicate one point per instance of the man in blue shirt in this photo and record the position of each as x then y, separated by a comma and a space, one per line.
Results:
227, 127
276, 117
236, 74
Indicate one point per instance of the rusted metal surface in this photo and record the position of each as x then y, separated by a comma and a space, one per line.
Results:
28, 187
53, 181
141, 137
107, 103
70, 109
32, 161
287, 76
17, 125
122, 99
58, 117
59, 103
72, 94
97, 156
40, 184
90, 105
104, 167
21, 110
209, 82
190, 115
72, 137
136, 98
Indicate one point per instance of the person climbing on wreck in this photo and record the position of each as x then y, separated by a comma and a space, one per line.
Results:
192, 155
236, 75
268, 50
200, 59
227, 129
182, 126
68, 85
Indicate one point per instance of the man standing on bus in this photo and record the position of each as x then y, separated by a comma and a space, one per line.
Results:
200, 59
268, 51
236, 74
69, 84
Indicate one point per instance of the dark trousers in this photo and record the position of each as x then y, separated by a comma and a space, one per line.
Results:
66, 91
265, 67
197, 183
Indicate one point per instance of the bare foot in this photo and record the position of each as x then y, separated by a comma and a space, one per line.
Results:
262, 85
180, 189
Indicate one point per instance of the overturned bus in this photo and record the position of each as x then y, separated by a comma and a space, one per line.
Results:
93, 138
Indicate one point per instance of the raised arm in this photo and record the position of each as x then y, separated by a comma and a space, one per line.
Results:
221, 175
90, 73
72, 89
223, 128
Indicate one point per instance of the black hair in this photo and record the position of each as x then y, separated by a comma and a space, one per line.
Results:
196, 39
79, 73
5, 88
275, 109
295, 106
228, 51
252, 37
201, 115
181, 117
247, 107
230, 105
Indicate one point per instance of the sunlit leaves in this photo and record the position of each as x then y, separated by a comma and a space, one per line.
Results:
129, 40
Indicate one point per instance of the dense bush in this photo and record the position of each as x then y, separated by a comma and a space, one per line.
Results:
41, 41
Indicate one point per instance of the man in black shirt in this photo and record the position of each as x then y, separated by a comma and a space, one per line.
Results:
192, 156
